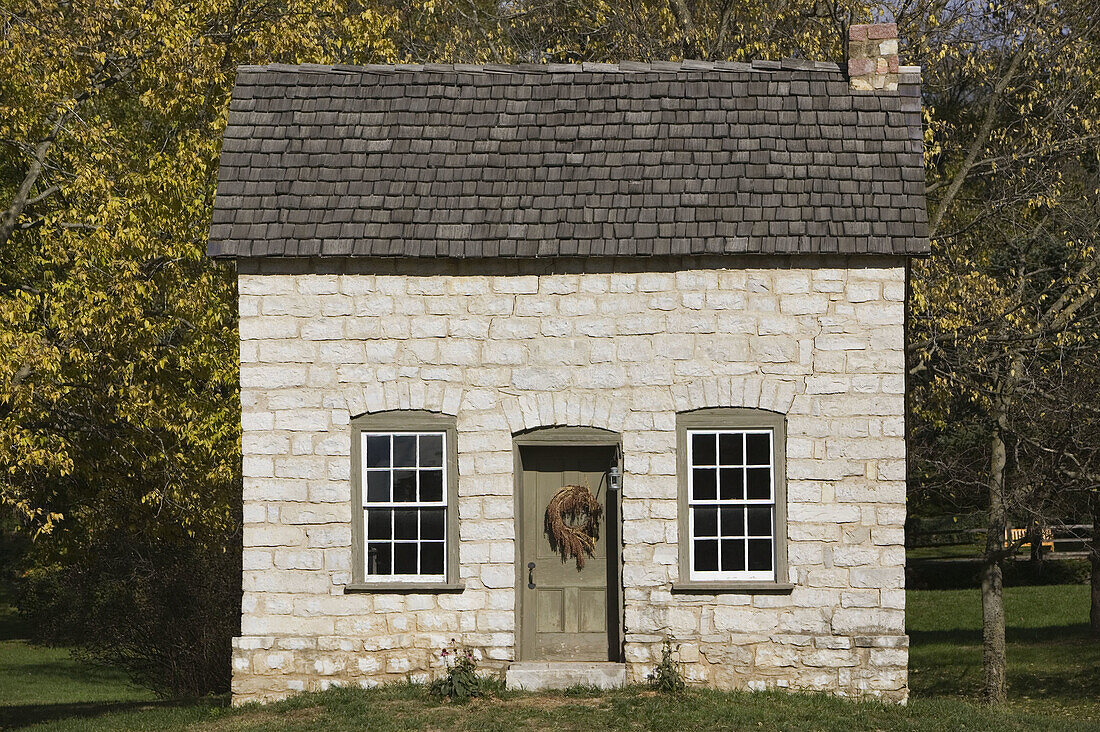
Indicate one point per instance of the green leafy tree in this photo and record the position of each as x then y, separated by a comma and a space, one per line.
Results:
119, 416
118, 390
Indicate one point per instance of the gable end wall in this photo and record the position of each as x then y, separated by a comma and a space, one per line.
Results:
507, 347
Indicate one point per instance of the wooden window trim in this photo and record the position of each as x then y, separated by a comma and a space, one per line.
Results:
733, 418
397, 421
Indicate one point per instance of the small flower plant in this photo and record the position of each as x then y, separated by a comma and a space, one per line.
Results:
666, 676
460, 682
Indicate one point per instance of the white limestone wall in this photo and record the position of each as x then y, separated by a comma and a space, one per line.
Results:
508, 346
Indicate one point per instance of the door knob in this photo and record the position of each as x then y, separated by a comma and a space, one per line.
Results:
530, 575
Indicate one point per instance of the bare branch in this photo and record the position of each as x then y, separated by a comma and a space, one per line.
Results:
979, 141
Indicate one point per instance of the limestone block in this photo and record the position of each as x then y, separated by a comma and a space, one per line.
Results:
290, 304
328, 535
744, 620
315, 513
889, 657
854, 621
804, 554
777, 656
825, 578
863, 291
860, 599
497, 576
877, 577
892, 599
823, 513
856, 556
803, 620
267, 535
298, 559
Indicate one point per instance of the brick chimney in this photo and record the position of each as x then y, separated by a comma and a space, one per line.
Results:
873, 56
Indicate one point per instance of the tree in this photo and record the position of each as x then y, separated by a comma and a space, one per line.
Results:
117, 391
1066, 452
1010, 288
119, 418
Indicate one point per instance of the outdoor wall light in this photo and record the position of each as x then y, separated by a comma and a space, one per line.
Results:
613, 478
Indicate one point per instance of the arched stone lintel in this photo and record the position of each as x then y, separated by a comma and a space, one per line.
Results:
430, 396
526, 412
754, 392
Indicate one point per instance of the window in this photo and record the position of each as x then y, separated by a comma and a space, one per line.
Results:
403, 492
733, 517
732, 504
405, 505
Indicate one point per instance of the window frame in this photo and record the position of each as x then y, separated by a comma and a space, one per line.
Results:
397, 422
736, 419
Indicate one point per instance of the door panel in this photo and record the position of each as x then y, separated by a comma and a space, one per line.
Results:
550, 611
565, 616
593, 611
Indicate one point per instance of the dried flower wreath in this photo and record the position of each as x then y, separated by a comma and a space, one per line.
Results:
573, 523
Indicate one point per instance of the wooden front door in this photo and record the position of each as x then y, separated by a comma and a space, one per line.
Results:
567, 614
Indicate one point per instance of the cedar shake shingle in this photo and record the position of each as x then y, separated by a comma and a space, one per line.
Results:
596, 160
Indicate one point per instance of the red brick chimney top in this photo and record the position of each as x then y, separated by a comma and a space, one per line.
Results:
873, 56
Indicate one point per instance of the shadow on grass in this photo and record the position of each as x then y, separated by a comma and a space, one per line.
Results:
12, 624
71, 670
1054, 634
12, 627
27, 714
1059, 689
1060, 664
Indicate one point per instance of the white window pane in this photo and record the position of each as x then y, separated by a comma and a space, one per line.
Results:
732, 507
401, 473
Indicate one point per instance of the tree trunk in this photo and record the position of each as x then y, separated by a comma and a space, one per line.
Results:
993, 634
1094, 551
993, 614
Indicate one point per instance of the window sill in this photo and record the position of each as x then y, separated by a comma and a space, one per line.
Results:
732, 587
403, 588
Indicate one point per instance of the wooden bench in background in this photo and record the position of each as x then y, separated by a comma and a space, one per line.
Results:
1014, 535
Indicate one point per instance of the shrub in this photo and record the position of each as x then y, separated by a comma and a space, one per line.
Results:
165, 612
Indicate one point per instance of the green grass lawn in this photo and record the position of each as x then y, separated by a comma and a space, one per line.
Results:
1054, 664
42, 683
1054, 675
397, 708
948, 551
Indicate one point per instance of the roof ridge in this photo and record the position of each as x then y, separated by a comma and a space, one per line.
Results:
587, 67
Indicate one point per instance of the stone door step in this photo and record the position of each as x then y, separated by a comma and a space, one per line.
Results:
539, 675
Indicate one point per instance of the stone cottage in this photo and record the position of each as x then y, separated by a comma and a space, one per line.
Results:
669, 295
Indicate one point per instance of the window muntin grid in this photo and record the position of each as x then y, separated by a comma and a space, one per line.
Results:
731, 504
404, 491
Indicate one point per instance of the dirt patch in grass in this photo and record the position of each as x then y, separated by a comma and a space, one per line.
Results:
252, 717
553, 702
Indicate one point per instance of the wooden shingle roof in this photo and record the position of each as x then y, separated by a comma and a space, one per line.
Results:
593, 160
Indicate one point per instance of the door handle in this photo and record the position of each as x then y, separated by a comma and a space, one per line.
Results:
530, 575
